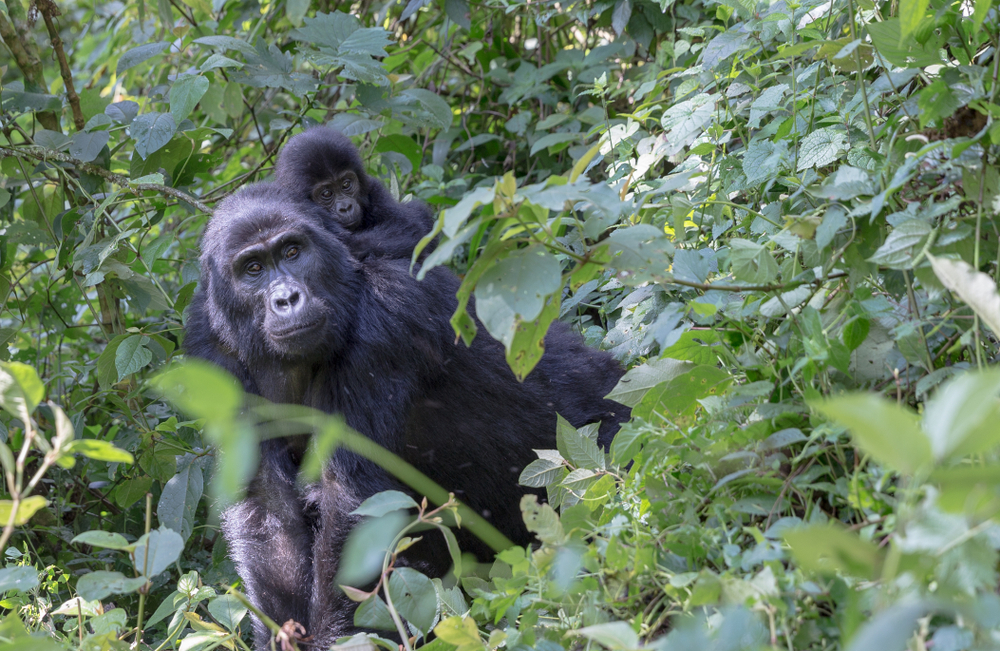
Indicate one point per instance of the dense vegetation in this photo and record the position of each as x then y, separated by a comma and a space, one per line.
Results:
781, 216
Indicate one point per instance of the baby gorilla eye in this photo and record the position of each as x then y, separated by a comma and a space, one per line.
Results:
291, 252
326, 193
347, 184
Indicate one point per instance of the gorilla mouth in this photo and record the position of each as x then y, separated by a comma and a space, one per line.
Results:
296, 329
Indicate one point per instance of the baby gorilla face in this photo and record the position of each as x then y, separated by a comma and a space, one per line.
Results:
338, 195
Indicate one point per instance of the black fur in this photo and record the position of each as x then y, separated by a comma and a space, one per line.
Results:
385, 358
385, 226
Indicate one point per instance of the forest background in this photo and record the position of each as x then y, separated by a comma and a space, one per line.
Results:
780, 216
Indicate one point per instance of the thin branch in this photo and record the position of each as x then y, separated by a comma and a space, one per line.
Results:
49, 10
47, 155
749, 288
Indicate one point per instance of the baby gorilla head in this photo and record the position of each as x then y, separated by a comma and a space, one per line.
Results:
322, 165
278, 282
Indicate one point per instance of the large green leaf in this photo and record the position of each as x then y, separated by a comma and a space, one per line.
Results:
20, 389
889, 433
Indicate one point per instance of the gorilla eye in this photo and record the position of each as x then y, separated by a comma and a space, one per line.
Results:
326, 193
347, 184
254, 268
291, 252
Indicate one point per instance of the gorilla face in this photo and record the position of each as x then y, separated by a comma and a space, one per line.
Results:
279, 282
339, 195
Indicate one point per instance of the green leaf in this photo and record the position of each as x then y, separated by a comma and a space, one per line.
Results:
686, 121
370, 41
541, 519
898, 250
892, 629
889, 433
962, 417
974, 287
456, 216
367, 546
460, 631
137, 55
227, 610
226, 42
553, 139
151, 131
99, 450
904, 52
821, 147
621, 15
99, 585
413, 595
103, 539
180, 497
829, 549
162, 547
855, 332
979, 15
201, 390
770, 99
436, 109
373, 613
515, 288
87, 145
160, 462
185, 95
20, 389
911, 12
540, 473
640, 379
25, 509
764, 159
296, 11
527, 345
23, 578
174, 602
936, 102
131, 355
613, 635
679, 396
752, 262
385, 502
581, 450
132, 490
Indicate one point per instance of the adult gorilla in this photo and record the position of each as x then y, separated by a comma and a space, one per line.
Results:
323, 166
286, 307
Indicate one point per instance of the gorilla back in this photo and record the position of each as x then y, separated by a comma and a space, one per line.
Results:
287, 308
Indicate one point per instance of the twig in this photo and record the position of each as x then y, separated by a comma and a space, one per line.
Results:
749, 288
49, 10
46, 155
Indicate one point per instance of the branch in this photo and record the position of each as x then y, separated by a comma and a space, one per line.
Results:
49, 10
47, 155
15, 35
748, 288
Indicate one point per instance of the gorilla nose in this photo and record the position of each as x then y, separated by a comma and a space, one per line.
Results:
286, 300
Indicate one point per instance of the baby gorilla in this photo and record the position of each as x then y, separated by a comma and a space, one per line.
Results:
285, 306
323, 166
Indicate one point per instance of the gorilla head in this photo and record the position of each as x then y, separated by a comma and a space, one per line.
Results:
323, 167
277, 281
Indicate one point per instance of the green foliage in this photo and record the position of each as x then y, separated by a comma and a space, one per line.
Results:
780, 216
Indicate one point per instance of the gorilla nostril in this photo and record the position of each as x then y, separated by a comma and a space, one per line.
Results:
293, 299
